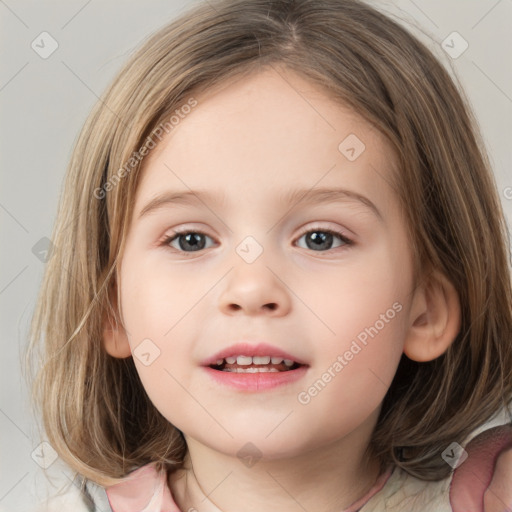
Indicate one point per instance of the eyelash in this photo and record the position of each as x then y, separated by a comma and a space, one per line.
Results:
169, 238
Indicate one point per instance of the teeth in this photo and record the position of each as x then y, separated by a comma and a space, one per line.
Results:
248, 360
251, 370
244, 360
261, 359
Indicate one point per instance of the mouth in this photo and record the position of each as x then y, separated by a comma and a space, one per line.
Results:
254, 374
255, 364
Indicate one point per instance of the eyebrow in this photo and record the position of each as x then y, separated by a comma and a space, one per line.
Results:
308, 196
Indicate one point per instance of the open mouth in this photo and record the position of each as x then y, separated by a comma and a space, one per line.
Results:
247, 364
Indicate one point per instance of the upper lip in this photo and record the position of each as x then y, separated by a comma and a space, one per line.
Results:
247, 349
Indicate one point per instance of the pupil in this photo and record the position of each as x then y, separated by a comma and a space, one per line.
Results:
321, 240
192, 240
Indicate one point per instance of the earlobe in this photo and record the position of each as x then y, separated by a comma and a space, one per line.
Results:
435, 319
114, 336
115, 342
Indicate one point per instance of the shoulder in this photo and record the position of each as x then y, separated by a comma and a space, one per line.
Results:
143, 488
499, 492
484, 479
71, 497
405, 493
481, 480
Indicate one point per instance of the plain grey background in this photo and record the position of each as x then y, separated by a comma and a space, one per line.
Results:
44, 102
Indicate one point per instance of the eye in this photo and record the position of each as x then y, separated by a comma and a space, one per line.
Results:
192, 241
188, 241
322, 238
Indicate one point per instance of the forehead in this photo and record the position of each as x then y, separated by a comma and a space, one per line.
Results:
265, 132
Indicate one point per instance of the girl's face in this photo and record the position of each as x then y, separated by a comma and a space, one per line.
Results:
266, 269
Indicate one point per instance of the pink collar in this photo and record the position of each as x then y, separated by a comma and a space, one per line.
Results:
146, 490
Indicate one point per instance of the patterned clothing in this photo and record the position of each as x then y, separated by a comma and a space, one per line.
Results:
146, 490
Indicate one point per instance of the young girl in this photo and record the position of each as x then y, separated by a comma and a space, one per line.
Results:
280, 278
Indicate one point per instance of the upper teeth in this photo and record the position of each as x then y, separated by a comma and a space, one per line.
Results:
248, 360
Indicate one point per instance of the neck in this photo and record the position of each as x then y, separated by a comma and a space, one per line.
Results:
327, 478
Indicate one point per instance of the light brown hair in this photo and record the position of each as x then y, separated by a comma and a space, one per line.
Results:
95, 411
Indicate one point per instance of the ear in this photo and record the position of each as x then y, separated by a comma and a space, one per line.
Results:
435, 319
115, 339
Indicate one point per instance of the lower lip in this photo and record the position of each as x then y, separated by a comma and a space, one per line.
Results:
256, 381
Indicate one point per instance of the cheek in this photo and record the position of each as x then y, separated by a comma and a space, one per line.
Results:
353, 373
153, 297
359, 345
159, 311
362, 300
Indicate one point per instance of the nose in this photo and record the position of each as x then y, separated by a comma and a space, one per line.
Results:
254, 289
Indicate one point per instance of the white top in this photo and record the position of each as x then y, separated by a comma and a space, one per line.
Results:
145, 490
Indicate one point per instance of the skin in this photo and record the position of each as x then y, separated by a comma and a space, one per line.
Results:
253, 140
